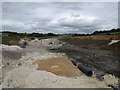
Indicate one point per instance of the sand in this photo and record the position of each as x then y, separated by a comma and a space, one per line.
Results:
59, 66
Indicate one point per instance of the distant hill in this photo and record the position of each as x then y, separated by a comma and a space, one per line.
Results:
107, 32
102, 32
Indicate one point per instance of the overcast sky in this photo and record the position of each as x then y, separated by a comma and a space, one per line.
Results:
59, 17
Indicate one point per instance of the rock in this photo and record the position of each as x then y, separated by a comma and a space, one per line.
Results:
8, 63
19, 64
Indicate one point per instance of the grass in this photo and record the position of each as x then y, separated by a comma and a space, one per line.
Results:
14, 40
10, 40
63, 39
115, 33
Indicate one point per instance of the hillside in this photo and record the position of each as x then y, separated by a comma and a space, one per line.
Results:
107, 32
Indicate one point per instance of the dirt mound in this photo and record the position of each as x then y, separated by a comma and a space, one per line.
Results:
59, 66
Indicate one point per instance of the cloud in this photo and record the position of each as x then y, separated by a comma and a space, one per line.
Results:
61, 17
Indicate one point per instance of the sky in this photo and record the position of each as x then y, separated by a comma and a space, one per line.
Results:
59, 17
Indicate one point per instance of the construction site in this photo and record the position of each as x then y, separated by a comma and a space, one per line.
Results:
51, 63
60, 44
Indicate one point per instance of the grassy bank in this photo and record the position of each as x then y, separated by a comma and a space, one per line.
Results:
10, 40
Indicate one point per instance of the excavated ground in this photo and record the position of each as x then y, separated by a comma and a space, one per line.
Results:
96, 54
54, 70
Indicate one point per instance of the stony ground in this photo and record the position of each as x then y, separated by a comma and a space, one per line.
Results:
21, 68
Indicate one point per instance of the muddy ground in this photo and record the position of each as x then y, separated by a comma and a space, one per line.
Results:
96, 54
95, 44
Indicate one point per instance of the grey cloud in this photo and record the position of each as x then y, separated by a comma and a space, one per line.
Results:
60, 17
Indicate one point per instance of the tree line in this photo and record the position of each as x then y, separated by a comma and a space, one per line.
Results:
28, 34
102, 32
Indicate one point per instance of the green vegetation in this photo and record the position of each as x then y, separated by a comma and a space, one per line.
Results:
64, 38
13, 38
107, 32
10, 40
28, 34
103, 32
